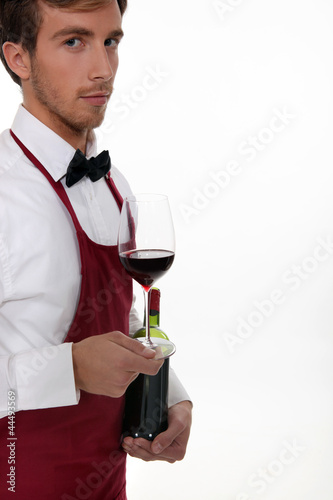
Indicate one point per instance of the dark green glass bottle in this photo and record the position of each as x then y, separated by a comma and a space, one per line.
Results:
146, 403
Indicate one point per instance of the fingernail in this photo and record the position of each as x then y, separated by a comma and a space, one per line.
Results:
127, 444
157, 448
148, 351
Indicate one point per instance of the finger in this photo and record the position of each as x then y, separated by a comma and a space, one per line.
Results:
149, 457
128, 441
141, 443
131, 344
134, 357
166, 438
140, 448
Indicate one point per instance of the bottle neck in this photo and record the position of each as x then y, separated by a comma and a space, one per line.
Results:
154, 318
154, 308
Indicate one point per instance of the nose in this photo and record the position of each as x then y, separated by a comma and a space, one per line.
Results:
103, 64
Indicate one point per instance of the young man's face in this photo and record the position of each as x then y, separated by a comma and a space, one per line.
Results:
73, 68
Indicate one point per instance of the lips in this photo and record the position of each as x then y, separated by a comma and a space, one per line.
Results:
97, 99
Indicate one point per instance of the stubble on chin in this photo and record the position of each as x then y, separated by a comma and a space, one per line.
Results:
84, 121
90, 117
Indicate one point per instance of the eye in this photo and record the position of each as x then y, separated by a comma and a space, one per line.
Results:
73, 43
111, 42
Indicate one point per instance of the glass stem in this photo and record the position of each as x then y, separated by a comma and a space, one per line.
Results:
147, 342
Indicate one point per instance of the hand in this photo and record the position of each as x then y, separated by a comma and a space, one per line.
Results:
170, 445
106, 364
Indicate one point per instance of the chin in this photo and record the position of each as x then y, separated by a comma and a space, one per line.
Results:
87, 123
97, 119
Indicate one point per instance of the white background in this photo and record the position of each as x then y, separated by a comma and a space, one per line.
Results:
253, 250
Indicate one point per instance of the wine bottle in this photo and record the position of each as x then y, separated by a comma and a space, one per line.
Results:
146, 403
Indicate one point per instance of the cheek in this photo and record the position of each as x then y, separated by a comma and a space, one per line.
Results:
66, 77
114, 63
64, 69
60, 65
50, 69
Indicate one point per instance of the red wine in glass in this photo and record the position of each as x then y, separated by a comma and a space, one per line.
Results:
146, 266
146, 247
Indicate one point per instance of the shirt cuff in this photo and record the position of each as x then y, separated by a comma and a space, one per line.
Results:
43, 378
177, 392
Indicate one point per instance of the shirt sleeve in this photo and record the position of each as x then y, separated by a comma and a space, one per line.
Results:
134, 319
177, 392
40, 378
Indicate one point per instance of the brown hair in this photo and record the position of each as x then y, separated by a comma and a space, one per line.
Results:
20, 21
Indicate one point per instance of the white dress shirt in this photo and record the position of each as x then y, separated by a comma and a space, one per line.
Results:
40, 265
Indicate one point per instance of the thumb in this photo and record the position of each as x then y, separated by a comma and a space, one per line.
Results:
132, 345
166, 438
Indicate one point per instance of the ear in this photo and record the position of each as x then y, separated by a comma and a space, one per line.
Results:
17, 59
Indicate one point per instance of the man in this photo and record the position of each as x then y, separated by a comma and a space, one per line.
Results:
66, 303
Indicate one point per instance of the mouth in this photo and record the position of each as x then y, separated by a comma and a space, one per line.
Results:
97, 98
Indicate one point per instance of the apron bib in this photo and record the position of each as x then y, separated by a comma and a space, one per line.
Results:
74, 452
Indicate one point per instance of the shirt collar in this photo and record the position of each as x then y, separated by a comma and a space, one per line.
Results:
53, 152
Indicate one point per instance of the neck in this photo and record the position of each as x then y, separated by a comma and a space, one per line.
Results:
78, 139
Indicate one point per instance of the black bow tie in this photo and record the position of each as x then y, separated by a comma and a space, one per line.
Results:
94, 168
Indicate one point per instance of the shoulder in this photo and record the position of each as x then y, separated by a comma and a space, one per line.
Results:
10, 153
121, 182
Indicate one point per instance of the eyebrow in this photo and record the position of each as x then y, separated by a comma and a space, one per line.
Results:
77, 30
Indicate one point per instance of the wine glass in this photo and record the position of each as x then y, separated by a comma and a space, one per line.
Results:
146, 246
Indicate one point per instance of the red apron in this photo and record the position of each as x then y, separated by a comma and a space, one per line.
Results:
74, 452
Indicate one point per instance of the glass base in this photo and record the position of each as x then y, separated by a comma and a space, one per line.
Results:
163, 348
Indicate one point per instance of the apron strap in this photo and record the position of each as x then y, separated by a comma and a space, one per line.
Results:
57, 186
117, 196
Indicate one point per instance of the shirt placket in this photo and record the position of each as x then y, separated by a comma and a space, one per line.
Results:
102, 234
